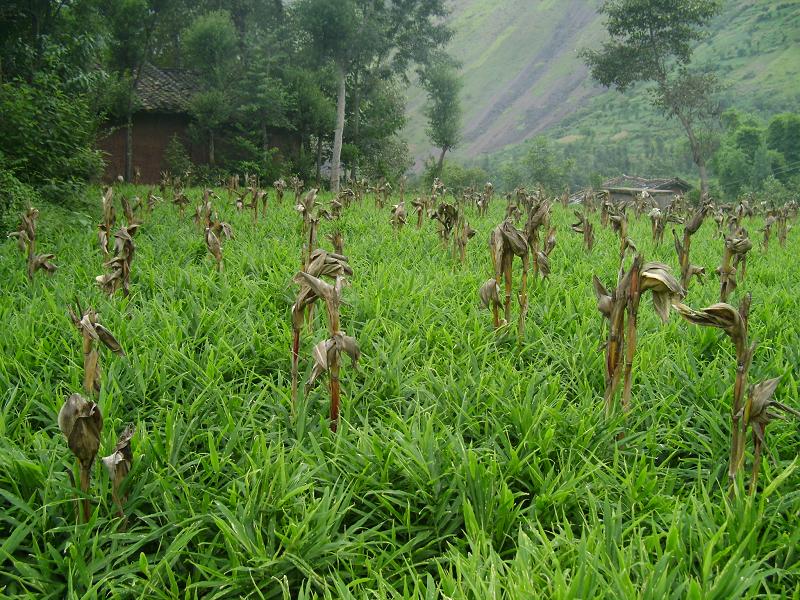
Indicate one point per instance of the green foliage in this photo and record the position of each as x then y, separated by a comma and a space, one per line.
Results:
47, 135
539, 162
176, 157
389, 160
211, 108
333, 29
733, 169
456, 176
753, 46
15, 196
464, 467
130, 24
649, 39
443, 111
750, 154
783, 135
210, 44
652, 42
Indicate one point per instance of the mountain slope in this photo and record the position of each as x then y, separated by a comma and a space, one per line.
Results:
522, 75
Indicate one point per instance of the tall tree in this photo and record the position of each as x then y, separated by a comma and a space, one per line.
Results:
783, 135
443, 111
211, 45
384, 36
652, 42
131, 24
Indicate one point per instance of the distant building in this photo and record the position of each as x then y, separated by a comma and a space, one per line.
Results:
162, 111
627, 187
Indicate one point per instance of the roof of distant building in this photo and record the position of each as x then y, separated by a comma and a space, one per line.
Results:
629, 182
165, 90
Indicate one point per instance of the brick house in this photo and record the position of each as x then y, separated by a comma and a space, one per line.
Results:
162, 111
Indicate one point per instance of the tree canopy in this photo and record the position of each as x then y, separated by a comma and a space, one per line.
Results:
651, 41
443, 111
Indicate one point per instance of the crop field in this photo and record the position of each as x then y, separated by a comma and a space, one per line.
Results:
466, 464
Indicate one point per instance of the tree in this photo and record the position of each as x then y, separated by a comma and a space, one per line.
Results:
48, 83
132, 24
543, 164
783, 135
359, 36
652, 42
210, 44
382, 115
443, 85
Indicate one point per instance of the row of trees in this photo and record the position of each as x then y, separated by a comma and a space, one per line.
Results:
331, 72
753, 155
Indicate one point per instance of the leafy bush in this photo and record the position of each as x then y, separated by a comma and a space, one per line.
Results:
47, 136
455, 176
176, 157
14, 196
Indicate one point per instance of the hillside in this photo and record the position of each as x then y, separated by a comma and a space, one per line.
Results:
522, 75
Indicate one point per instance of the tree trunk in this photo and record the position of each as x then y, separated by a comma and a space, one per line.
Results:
339, 132
701, 165
697, 156
211, 147
265, 141
440, 164
129, 147
356, 124
319, 157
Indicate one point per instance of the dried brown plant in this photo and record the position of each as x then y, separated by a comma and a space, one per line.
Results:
93, 333
81, 423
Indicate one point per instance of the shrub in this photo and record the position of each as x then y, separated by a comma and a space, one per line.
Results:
14, 196
47, 136
176, 157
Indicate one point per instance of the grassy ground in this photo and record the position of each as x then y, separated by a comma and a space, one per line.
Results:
465, 466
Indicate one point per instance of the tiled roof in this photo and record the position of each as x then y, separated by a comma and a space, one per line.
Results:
640, 183
165, 90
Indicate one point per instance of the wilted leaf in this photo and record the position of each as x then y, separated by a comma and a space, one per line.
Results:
81, 423
108, 339
489, 293
604, 301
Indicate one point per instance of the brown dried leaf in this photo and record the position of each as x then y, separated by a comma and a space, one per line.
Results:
108, 339
489, 293
81, 423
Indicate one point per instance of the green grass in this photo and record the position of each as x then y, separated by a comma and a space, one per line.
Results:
466, 466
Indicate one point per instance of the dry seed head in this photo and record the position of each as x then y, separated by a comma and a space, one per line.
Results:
604, 300
658, 278
489, 293
514, 239
696, 221
212, 242
697, 271
544, 264
323, 263
81, 423
42, 261
118, 463
324, 351
761, 400
720, 315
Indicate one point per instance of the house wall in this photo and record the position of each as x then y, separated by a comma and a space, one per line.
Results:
661, 198
151, 134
